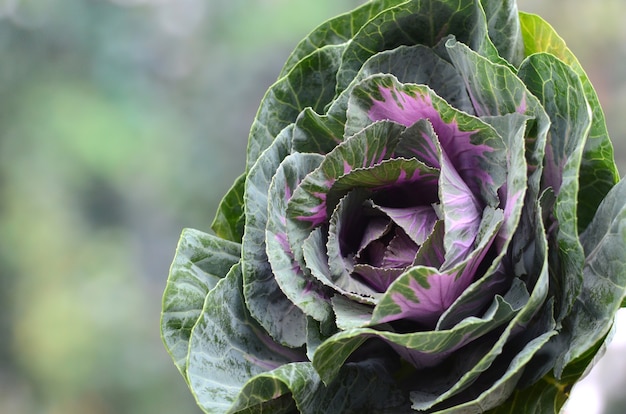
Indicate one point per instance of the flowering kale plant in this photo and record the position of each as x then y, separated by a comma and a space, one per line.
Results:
430, 220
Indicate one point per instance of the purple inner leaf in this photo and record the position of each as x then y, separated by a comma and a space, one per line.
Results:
407, 108
406, 194
381, 260
345, 232
403, 108
376, 228
423, 294
401, 250
420, 141
475, 300
418, 221
316, 214
409, 176
462, 214
374, 253
377, 277
432, 295
368, 244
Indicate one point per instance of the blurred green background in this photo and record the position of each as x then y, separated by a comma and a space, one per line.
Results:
123, 121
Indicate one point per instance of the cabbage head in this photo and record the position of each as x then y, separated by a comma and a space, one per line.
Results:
430, 220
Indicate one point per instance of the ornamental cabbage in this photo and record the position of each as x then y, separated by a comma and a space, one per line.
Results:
430, 220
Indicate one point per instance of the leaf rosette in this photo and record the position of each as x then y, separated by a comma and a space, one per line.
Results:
430, 220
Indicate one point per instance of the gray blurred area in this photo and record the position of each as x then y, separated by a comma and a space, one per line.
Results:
124, 121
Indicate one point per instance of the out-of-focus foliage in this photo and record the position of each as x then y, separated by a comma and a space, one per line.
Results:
107, 110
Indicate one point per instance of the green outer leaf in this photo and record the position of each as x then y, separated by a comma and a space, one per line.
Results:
228, 347
494, 89
416, 22
561, 93
549, 395
512, 129
504, 29
229, 219
604, 277
338, 30
351, 314
497, 90
311, 83
265, 300
545, 396
362, 387
598, 171
502, 389
316, 133
317, 333
201, 261
332, 354
288, 274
